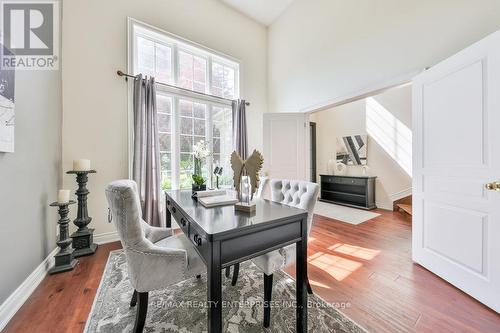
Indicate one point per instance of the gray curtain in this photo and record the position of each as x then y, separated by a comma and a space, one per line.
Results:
146, 160
240, 128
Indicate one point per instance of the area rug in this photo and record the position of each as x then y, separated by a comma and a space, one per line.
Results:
343, 213
181, 307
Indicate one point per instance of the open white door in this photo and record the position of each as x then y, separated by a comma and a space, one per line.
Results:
456, 220
286, 142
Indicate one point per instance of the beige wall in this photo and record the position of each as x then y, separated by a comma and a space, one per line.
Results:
95, 99
30, 178
350, 119
321, 50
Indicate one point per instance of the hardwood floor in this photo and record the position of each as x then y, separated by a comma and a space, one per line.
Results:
367, 266
370, 266
62, 302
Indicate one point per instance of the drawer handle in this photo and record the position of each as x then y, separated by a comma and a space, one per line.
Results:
197, 240
173, 209
183, 222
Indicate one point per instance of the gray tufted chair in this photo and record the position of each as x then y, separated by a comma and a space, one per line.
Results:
155, 258
296, 193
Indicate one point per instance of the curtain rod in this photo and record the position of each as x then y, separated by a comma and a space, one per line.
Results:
120, 73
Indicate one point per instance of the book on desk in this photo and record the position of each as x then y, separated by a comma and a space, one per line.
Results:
214, 198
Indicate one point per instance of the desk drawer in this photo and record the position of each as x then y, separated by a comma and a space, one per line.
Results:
200, 243
328, 179
253, 244
181, 220
349, 181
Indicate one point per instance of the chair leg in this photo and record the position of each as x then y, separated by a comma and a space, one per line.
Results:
268, 293
133, 301
142, 311
236, 271
309, 289
228, 271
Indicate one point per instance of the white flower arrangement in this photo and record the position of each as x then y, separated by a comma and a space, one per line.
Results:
201, 150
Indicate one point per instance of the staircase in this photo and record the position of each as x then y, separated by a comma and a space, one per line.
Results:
403, 206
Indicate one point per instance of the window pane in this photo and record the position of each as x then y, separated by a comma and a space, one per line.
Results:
186, 162
200, 110
185, 70
186, 125
217, 79
165, 142
228, 82
185, 170
216, 159
186, 108
192, 72
164, 123
222, 143
223, 80
163, 103
166, 161
163, 72
145, 56
199, 127
186, 144
216, 145
166, 180
200, 74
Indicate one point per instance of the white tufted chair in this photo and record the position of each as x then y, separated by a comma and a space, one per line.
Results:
155, 258
295, 193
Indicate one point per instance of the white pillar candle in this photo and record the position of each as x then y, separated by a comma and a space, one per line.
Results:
63, 196
81, 165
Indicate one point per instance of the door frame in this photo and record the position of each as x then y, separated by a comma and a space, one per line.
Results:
312, 144
369, 91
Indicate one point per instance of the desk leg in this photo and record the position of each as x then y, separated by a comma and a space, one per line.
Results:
301, 280
214, 288
168, 218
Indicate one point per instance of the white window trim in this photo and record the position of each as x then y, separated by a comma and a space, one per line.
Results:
173, 40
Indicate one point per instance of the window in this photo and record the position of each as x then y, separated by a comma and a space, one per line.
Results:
186, 117
222, 143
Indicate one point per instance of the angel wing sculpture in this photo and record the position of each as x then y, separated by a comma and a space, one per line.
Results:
251, 166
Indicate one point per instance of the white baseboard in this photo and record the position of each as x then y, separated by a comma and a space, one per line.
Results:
12, 304
383, 206
401, 194
106, 237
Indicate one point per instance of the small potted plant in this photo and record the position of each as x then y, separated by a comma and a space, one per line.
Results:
201, 152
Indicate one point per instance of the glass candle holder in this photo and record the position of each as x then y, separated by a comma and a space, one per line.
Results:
245, 190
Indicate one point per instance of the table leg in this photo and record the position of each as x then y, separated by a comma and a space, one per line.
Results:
214, 287
301, 280
168, 217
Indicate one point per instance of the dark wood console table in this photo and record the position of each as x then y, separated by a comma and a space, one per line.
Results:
350, 191
224, 237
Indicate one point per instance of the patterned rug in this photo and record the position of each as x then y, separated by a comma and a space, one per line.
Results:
181, 307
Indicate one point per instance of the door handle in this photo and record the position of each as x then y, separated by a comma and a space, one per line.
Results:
493, 186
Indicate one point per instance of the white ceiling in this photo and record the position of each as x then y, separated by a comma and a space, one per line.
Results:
263, 11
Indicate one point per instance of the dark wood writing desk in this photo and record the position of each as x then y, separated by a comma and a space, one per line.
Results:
224, 237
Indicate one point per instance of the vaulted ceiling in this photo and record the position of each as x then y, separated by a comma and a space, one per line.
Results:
263, 11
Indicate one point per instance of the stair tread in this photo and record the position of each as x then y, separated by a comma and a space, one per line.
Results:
407, 208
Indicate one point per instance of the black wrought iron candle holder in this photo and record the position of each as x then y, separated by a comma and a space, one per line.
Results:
83, 238
64, 259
